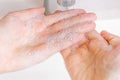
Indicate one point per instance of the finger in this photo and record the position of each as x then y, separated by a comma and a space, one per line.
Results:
78, 28
54, 19
72, 21
51, 19
111, 38
64, 39
29, 13
94, 35
96, 39
68, 37
82, 27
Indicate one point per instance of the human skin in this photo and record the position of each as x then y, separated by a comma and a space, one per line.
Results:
29, 37
98, 58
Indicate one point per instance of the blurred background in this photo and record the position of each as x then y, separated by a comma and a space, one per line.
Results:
108, 12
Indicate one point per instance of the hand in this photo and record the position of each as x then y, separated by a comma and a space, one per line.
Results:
28, 37
97, 59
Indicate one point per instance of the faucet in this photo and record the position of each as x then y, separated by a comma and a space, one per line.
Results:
53, 5
66, 3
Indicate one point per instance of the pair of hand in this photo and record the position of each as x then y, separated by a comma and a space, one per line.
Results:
28, 37
98, 58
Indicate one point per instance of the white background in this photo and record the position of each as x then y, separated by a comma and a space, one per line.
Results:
53, 68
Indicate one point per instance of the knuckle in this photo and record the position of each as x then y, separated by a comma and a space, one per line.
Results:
12, 15
65, 22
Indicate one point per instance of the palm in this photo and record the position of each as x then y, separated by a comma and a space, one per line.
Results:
17, 36
93, 60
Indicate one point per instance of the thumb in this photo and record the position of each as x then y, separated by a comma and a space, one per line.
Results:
111, 38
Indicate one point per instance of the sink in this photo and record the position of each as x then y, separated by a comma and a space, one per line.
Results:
7, 6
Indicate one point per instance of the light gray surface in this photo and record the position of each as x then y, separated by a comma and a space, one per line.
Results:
7, 6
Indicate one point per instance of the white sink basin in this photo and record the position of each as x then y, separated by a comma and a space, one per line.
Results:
7, 6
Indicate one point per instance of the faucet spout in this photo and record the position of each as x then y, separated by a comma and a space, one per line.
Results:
52, 5
66, 3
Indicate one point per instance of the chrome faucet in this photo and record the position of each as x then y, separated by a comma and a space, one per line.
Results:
66, 3
52, 5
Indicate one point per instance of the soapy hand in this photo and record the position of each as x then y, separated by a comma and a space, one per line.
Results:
96, 59
28, 37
